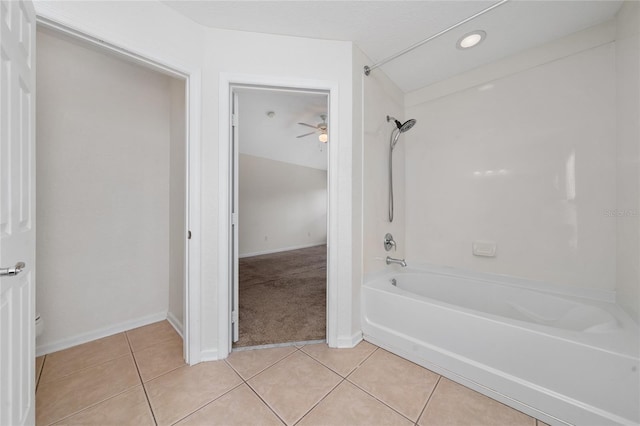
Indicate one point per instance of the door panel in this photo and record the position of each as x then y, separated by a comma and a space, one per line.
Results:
17, 212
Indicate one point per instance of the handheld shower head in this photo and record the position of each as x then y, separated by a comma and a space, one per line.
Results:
400, 128
395, 136
403, 127
407, 125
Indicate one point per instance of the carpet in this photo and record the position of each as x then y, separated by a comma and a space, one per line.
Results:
282, 297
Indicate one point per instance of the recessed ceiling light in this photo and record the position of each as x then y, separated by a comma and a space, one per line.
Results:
471, 39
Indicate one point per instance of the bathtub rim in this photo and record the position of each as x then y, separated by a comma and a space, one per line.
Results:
628, 327
598, 295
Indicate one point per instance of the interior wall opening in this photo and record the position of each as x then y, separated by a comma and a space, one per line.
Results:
111, 195
280, 193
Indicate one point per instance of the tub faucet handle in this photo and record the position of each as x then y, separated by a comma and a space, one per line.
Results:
389, 242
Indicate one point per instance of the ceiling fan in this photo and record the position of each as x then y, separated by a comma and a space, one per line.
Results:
320, 127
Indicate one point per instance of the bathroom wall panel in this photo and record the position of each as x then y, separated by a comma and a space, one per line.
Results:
527, 161
381, 97
627, 214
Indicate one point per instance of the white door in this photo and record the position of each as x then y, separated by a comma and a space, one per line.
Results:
17, 212
235, 270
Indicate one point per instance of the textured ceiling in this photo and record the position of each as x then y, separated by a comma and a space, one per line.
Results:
382, 28
275, 137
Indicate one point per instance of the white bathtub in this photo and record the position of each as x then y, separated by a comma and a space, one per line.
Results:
559, 358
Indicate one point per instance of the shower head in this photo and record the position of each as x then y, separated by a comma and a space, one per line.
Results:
407, 125
403, 127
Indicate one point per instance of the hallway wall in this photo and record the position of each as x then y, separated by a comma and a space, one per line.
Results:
283, 206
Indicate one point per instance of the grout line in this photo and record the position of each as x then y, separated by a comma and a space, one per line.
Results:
208, 403
322, 364
236, 371
361, 363
144, 388
321, 399
267, 367
381, 401
88, 407
67, 376
40, 373
429, 399
126, 336
265, 403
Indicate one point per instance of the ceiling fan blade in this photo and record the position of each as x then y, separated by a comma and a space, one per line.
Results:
306, 134
308, 125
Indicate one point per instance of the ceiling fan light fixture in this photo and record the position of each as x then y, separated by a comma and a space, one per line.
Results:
323, 138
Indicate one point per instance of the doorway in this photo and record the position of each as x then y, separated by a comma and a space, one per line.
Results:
279, 210
112, 201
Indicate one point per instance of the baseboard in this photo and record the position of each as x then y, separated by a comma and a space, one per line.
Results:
99, 333
350, 341
209, 355
279, 250
175, 323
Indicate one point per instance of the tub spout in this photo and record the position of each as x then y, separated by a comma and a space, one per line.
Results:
400, 262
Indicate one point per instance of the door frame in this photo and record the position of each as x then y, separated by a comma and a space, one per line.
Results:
225, 259
193, 96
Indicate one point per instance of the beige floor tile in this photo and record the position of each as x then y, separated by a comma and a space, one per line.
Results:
66, 396
128, 408
250, 363
541, 423
65, 362
294, 385
454, 404
143, 337
348, 405
397, 382
239, 407
179, 393
39, 363
160, 358
342, 361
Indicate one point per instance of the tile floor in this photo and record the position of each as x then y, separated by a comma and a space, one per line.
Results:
139, 377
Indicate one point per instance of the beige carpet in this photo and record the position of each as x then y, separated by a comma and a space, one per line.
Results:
283, 297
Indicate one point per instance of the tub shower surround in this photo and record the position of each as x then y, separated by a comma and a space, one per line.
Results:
561, 354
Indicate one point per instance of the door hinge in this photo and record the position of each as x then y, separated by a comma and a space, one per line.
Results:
234, 317
234, 120
234, 218
188, 235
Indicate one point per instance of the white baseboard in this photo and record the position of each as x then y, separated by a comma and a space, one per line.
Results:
99, 333
350, 341
175, 323
279, 250
209, 355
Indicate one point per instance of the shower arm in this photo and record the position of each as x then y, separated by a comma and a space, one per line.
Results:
368, 69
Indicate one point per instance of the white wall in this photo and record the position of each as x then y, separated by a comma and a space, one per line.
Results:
103, 191
628, 172
282, 206
177, 202
284, 59
381, 97
205, 52
525, 158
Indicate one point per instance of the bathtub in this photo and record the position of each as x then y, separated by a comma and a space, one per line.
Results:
562, 356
